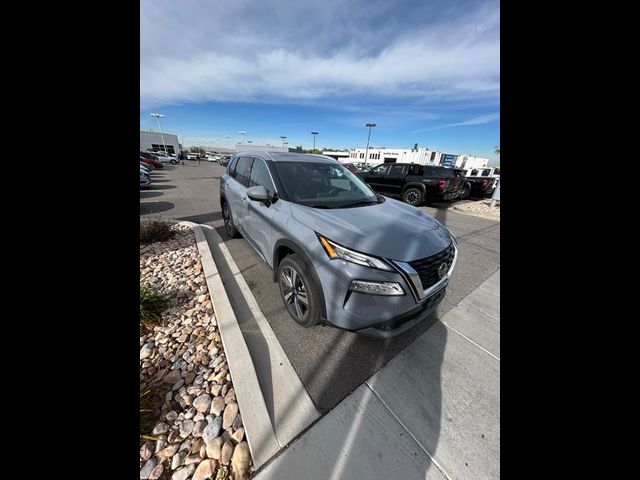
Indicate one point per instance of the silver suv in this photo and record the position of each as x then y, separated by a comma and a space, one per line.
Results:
341, 253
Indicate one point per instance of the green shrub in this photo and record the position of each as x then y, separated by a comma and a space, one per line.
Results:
155, 230
152, 304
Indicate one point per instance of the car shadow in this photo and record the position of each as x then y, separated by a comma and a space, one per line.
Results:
149, 208
202, 218
153, 186
149, 194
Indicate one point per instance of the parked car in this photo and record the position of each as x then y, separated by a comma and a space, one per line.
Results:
152, 161
192, 156
415, 183
147, 167
483, 180
341, 254
164, 158
145, 178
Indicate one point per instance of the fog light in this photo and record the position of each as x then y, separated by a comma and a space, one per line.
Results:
377, 288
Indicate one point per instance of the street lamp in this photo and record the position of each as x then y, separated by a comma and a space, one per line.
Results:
283, 139
159, 116
243, 133
366, 155
314, 139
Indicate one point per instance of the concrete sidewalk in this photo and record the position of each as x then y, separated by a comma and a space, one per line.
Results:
433, 412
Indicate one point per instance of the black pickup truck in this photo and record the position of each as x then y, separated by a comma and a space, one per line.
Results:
477, 186
416, 183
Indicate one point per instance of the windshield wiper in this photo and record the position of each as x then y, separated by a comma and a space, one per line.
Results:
319, 205
361, 202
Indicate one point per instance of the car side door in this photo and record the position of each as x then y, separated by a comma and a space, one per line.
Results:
376, 177
259, 217
395, 179
236, 190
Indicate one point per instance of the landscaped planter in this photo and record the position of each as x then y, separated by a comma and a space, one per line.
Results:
198, 432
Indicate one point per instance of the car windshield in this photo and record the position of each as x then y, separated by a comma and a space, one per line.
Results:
324, 185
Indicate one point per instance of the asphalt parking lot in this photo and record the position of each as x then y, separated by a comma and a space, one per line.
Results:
331, 363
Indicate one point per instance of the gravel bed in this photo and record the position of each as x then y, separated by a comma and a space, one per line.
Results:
199, 432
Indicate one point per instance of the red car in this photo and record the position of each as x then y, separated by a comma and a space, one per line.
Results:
151, 161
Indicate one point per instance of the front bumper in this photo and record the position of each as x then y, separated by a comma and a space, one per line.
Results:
378, 315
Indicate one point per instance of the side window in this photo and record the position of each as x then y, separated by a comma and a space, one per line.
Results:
486, 172
416, 170
382, 169
232, 167
242, 170
396, 170
260, 176
474, 172
430, 171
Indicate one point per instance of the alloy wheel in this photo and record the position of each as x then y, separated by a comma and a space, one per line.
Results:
227, 219
294, 292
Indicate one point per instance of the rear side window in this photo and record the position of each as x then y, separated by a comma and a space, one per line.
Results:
396, 170
416, 170
474, 172
232, 166
486, 172
243, 168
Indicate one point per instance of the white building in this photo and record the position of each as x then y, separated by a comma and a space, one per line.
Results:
422, 156
150, 140
471, 161
340, 156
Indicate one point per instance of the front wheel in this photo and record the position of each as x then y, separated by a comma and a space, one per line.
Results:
413, 196
229, 227
299, 292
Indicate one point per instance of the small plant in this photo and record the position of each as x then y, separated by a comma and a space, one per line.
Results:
151, 400
155, 230
152, 304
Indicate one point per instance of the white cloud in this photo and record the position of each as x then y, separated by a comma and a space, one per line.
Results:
453, 59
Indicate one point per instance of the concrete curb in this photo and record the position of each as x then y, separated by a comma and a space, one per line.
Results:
457, 209
259, 431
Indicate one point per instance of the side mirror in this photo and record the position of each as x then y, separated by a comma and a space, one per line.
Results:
258, 193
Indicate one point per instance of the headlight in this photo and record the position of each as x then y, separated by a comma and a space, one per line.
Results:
376, 288
336, 251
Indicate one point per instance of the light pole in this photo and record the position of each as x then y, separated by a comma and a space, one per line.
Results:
242, 133
159, 116
314, 139
368, 138
283, 139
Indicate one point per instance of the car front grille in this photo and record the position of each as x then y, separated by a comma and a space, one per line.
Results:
427, 268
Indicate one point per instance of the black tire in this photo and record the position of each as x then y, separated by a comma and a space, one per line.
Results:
465, 193
227, 216
304, 288
413, 196
173, 162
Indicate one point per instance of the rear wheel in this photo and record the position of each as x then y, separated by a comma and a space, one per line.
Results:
299, 292
413, 196
465, 192
229, 227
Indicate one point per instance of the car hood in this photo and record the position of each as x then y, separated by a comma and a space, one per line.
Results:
391, 229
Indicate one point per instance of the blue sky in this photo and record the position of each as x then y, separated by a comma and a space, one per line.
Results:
425, 72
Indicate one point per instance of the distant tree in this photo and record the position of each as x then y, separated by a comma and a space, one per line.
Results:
197, 150
497, 150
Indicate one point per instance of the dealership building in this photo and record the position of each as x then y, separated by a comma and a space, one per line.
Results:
150, 140
423, 156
